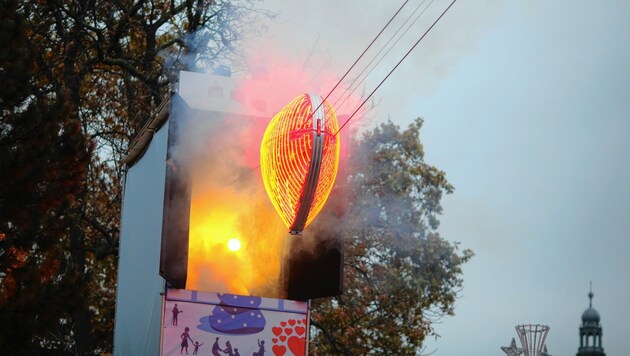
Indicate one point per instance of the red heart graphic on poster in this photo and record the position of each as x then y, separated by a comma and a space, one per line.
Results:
276, 330
279, 350
288, 331
283, 338
292, 322
297, 345
300, 330
275, 341
283, 323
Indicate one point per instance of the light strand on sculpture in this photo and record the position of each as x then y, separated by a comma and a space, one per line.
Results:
299, 158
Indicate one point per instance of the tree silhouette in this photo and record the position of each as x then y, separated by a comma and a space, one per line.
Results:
43, 159
79, 80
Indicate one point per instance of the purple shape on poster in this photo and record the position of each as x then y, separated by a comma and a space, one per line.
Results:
236, 315
239, 300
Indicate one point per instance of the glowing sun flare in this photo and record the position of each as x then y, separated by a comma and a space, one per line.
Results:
234, 245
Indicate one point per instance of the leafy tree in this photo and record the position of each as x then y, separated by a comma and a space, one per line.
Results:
43, 160
399, 274
80, 79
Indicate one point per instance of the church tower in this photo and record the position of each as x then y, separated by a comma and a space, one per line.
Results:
590, 331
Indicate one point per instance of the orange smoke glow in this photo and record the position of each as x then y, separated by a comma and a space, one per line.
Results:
287, 153
228, 202
217, 218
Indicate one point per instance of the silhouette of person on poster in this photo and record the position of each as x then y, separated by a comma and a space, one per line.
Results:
236, 352
228, 349
197, 344
185, 337
261, 350
216, 348
175, 311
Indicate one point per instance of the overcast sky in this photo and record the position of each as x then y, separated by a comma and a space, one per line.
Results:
527, 109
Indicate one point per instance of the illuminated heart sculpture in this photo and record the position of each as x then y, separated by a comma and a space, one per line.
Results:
299, 157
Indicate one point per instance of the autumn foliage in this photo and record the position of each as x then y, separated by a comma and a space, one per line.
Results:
79, 80
400, 275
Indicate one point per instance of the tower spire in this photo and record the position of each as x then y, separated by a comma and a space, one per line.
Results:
590, 330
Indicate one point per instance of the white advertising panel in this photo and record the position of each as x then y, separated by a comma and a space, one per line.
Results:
201, 323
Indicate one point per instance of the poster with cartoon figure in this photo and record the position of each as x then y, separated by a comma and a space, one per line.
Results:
200, 323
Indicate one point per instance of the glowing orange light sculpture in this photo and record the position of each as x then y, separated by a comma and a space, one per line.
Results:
299, 158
